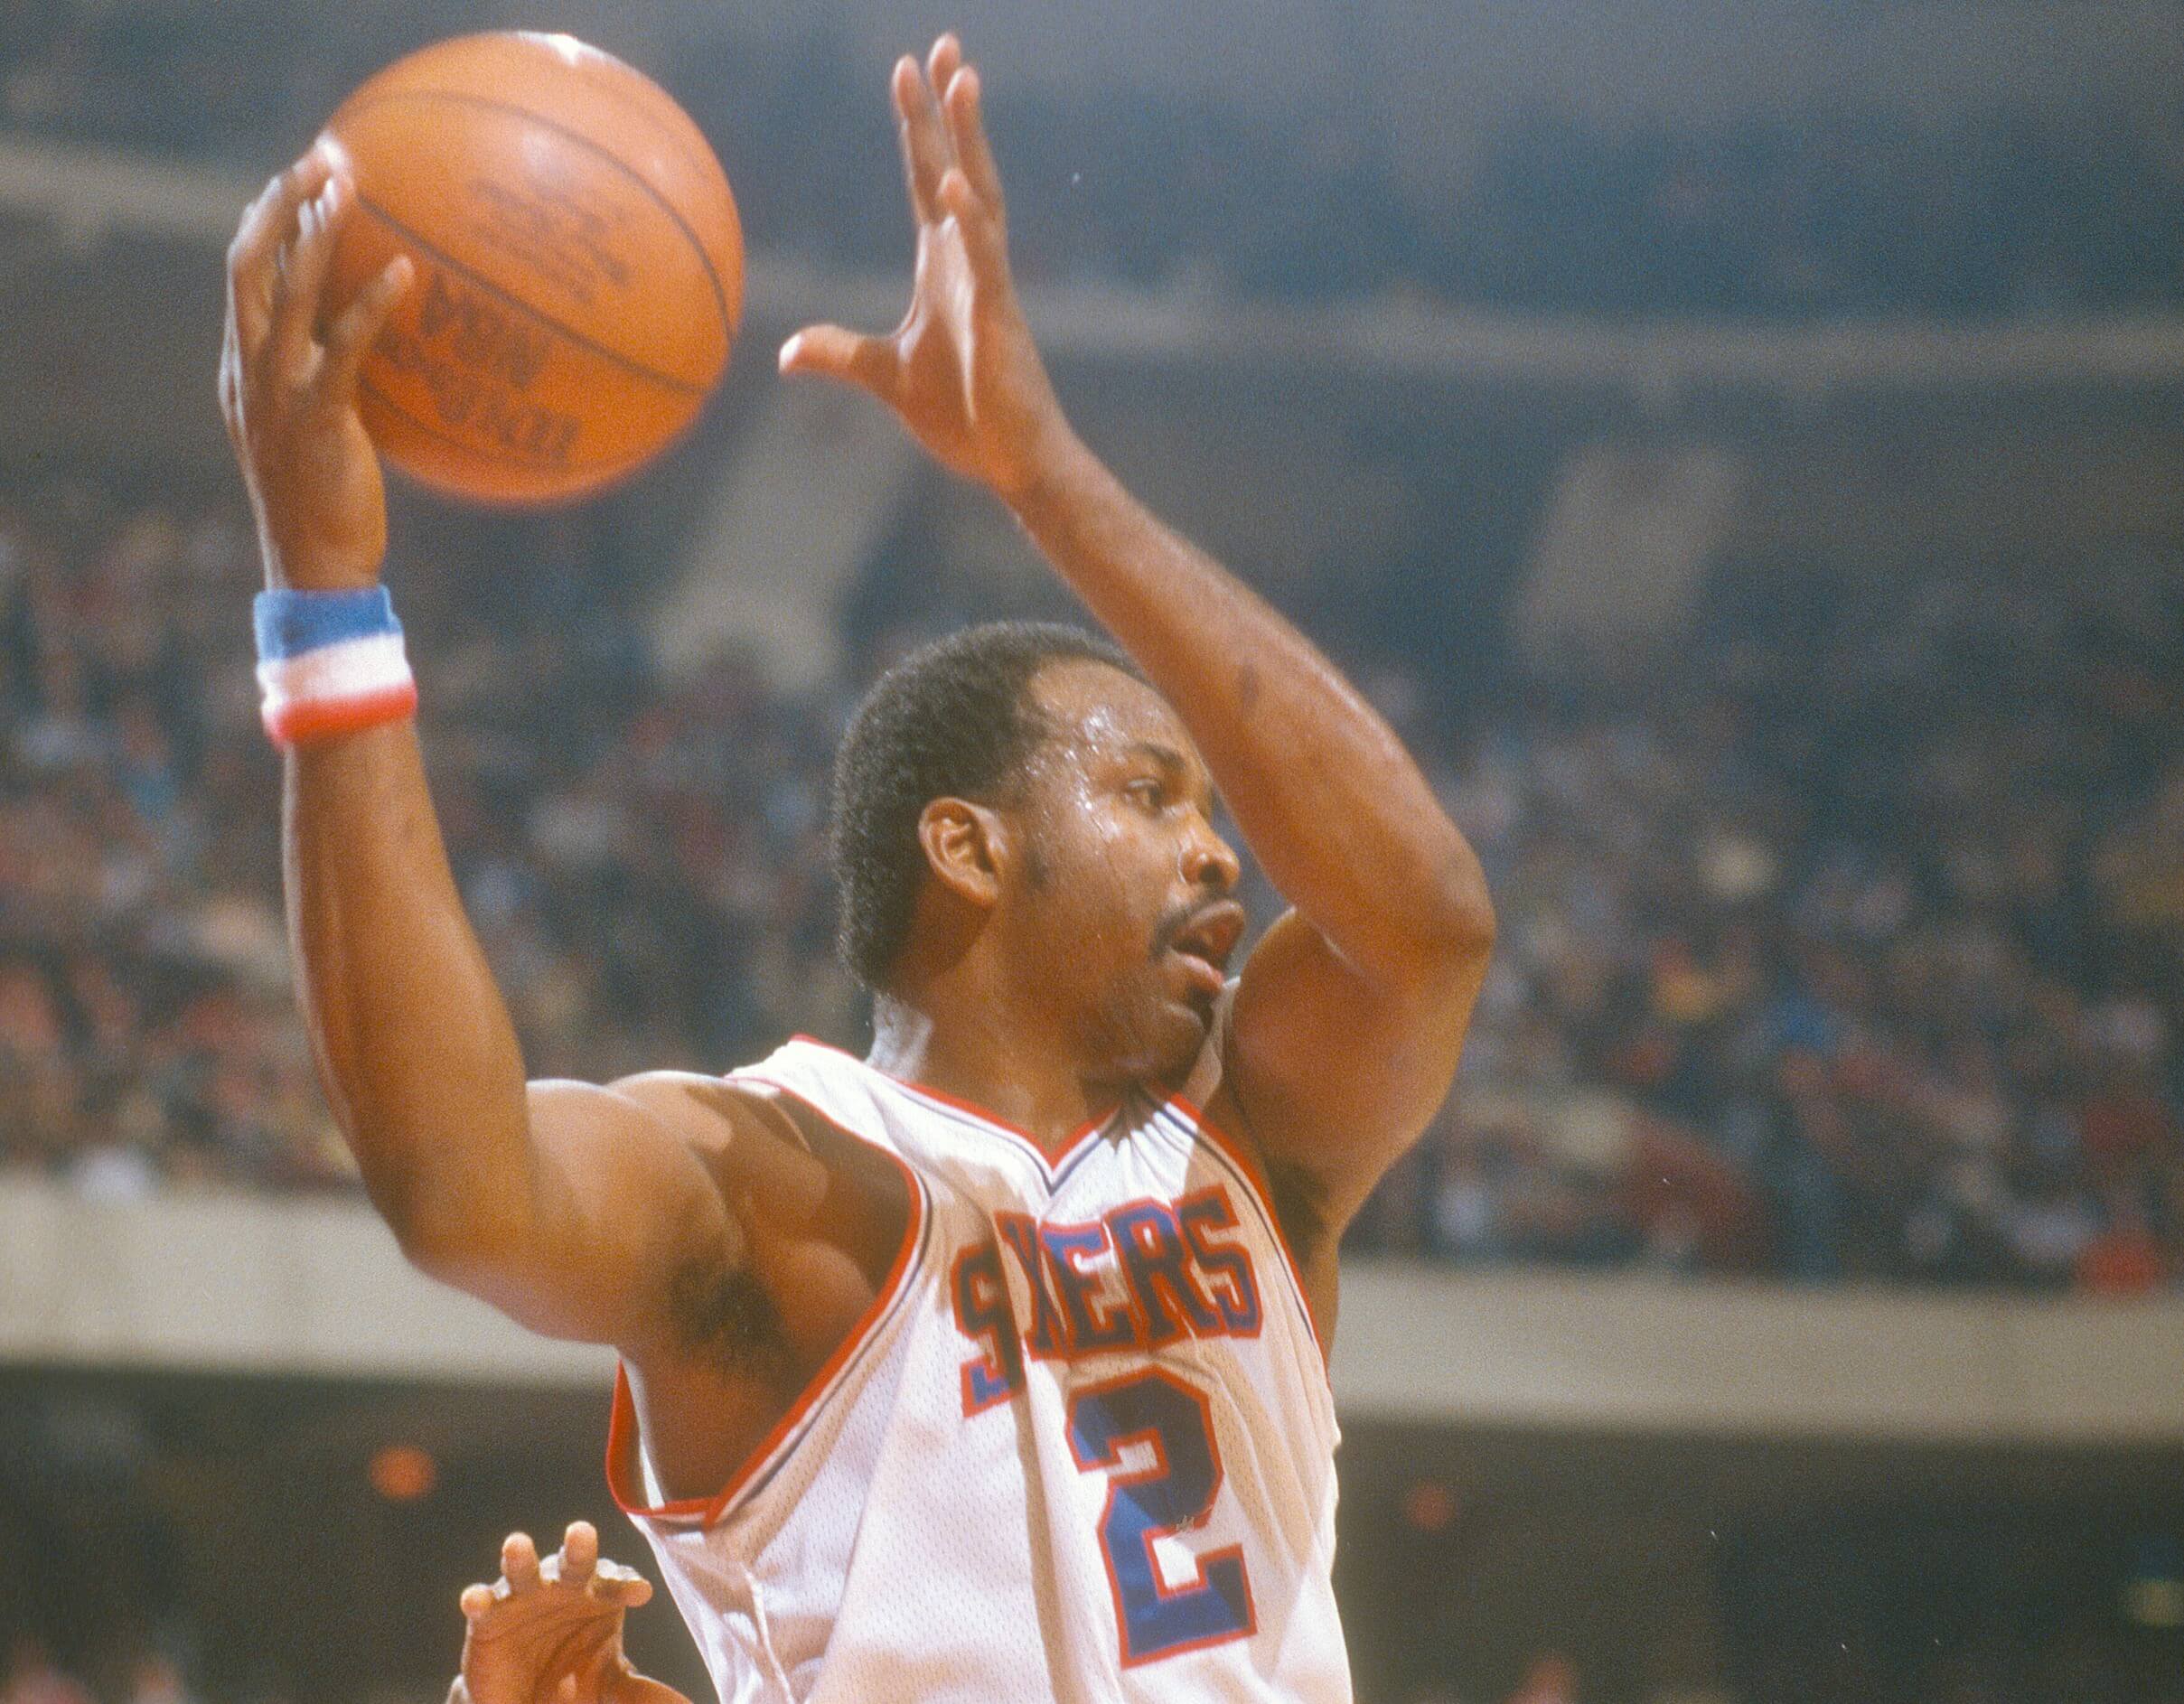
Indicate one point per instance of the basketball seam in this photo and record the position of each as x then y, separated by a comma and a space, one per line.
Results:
628, 363
616, 88
378, 393
698, 248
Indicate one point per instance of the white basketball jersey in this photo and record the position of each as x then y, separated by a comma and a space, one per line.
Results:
1081, 1448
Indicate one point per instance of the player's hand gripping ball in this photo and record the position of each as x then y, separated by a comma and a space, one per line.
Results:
579, 265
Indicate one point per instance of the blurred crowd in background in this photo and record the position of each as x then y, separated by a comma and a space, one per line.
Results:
1849, 210
32, 1677
1848, 948
1843, 941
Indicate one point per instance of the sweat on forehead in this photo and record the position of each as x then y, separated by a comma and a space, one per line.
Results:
1095, 716
1080, 699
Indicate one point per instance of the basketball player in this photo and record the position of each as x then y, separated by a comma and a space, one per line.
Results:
988, 1366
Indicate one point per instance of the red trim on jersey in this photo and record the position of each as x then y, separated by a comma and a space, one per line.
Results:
1052, 1155
626, 1484
624, 1481
1255, 1176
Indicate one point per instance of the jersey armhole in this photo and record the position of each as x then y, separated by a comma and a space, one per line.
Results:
626, 1470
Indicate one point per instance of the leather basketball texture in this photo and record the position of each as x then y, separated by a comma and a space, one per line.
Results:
579, 265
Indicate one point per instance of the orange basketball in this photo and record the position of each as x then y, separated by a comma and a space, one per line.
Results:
579, 265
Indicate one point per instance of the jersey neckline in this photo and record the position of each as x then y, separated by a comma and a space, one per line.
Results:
1052, 1160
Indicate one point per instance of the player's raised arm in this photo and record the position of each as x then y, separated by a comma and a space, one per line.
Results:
564, 1203
1351, 1015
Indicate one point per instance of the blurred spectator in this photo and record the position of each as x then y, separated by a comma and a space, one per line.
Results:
155, 1679
33, 1679
1551, 1679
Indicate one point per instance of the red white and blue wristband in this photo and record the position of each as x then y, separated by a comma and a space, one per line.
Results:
329, 663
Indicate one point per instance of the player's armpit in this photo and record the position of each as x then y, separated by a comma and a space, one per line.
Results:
639, 1191
614, 1197
1332, 1073
677, 1214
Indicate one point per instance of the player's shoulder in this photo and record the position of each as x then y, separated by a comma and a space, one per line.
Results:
754, 1139
705, 1110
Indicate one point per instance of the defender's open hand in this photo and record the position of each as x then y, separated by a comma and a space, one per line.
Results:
960, 370
288, 382
550, 1632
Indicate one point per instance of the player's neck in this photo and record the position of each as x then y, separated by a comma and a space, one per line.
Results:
985, 1053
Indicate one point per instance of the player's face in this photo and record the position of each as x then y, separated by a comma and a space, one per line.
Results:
1119, 899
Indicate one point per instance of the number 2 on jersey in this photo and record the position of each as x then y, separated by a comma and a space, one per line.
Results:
1175, 1492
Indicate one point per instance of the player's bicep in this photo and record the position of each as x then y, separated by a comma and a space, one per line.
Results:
617, 1195
651, 1191
1334, 1073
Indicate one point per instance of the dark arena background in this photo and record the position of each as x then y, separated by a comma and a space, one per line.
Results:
1737, 442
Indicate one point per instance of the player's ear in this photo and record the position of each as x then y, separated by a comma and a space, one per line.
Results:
966, 844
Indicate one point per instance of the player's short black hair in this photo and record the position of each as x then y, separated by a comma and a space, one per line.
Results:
953, 719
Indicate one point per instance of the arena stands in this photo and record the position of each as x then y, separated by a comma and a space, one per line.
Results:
150, 1030
1850, 951
1811, 964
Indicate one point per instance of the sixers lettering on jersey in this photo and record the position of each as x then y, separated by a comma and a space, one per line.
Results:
1142, 1276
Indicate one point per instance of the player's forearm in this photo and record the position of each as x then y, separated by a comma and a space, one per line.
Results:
414, 1043
1323, 790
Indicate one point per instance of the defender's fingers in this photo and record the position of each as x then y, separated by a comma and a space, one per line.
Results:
253, 257
831, 353
579, 1554
963, 103
476, 1600
621, 1585
360, 323
520, 1562
924, 140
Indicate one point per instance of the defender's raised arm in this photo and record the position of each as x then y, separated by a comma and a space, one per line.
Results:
1351, 1014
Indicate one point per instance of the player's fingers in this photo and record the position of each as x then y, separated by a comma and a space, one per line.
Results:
924, 141
520, 1562
360, 323
302, 278
476, 1600
253, 257
963, 103
231, 387
943, 64
983, 242
832, 352
579, 1554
